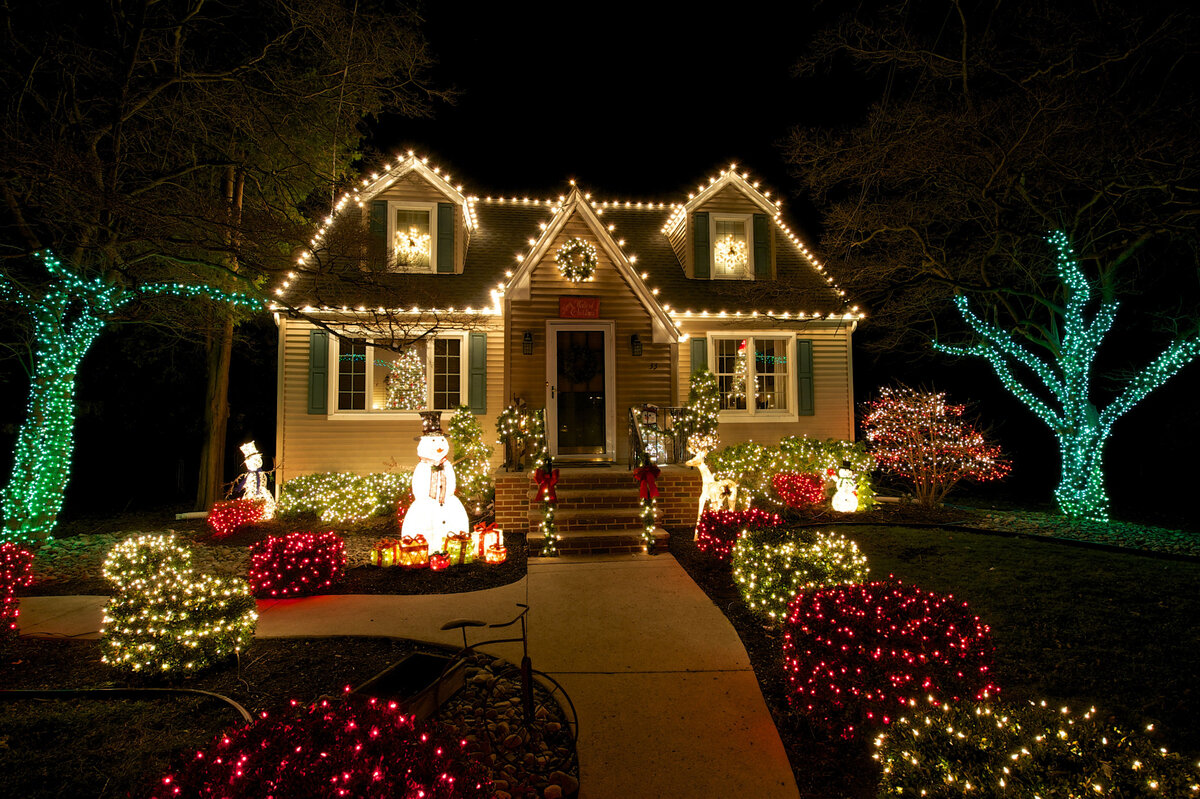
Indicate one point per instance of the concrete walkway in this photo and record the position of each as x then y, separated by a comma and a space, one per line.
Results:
667, 702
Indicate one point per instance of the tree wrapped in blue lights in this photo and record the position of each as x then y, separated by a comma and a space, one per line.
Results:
67, 314
1060, 392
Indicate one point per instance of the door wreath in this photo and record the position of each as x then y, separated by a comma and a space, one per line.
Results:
579, 364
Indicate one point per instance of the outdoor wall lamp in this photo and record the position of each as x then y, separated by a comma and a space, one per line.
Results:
635, 345
527, 343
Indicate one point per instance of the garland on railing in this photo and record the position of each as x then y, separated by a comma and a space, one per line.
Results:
647, 476
546, 477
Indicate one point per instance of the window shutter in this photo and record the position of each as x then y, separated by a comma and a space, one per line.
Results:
699, 354
477, 374
318, 371
701, 255
762, 248
445, 237
377, 234
804, 377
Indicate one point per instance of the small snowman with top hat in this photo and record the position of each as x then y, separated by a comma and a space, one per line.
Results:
435, 512
254, 481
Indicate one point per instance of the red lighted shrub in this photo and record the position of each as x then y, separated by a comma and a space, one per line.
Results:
718, 531
359, 748
857, 654
799, 490
296, 564
16, 571
230, 514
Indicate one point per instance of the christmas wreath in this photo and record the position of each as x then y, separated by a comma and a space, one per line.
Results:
579, 364
576, 260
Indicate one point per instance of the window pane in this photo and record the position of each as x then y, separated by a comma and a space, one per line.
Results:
399, 379
447, 373
352, 376
731, 372
731, 248
771, 373
412, 244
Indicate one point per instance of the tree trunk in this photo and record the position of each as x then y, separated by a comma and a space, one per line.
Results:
1080, 493
211, 484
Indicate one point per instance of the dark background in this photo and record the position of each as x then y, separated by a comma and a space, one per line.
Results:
633, 105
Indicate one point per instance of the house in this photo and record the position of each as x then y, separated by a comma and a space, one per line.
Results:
481, 290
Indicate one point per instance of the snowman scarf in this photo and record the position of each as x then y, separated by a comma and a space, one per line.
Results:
437, 480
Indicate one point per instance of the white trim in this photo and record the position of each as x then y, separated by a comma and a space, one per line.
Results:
747, 221
414, 164
750, 414
384, 413
280, 415
398, 205
609, 328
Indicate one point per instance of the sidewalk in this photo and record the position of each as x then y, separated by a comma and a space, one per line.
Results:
667, 702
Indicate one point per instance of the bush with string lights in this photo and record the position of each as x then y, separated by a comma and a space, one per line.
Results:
343, 497
297, 564
718, 531
16, 572
857, 655
770, 573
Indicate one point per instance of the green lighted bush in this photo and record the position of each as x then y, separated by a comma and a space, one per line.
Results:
166, 619
770, 571
343, 497
994, 750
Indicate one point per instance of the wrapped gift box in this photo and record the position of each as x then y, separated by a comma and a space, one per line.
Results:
385, 552
413, 552
459, 549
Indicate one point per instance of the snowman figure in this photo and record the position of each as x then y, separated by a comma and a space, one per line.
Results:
254, 482
845, 499
435, 512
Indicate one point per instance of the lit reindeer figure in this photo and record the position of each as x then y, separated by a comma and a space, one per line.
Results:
714, 494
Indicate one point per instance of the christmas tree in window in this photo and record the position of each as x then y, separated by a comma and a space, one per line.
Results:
406, 382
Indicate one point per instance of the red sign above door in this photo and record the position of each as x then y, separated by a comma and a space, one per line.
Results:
579, 307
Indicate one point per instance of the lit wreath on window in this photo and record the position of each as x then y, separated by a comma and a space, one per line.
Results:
730, 255
576, 260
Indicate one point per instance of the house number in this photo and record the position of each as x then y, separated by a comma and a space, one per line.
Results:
653, 366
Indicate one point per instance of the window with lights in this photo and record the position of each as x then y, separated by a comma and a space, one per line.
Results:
411, 236
754, 374
428, 375
732, 247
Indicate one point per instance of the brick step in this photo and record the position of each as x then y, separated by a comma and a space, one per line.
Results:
589, 518
596, 543
604, 497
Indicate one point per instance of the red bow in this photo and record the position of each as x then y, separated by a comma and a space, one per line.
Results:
484, 529
648, 475
546, 481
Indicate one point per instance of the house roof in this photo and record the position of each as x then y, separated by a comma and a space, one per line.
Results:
504, 231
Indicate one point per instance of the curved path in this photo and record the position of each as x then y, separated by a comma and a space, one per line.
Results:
668, 704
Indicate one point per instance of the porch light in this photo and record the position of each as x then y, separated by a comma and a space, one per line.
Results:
635, 345
527, 343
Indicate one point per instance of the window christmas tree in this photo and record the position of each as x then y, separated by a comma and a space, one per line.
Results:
406, 382
737, 392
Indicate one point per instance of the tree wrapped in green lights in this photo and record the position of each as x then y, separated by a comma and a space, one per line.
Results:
1064, 400
67, 314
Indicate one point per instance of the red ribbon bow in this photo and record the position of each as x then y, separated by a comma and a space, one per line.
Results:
484, 529
648, 475
546, 482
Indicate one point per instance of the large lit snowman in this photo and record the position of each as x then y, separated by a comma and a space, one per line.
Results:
435, 512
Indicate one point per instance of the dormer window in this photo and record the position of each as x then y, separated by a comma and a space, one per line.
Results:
410, 233
733, 244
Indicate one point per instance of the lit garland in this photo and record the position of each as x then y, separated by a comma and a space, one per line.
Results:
718, 531
66, 319
523, 432
355, 747
771, 573
473, 463
1033, 750
730, 255
799, 490
1081, 429
16, 572
576, 260
405, 382
228, 515
343, 497
297, 564
858, 654
647, 476
165, 618
920, 437
546, 477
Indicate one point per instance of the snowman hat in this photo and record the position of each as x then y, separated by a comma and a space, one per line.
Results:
249, 449
431, 423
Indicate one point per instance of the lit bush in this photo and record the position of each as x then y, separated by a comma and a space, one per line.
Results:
228, 515
799, 490
296, 564
16, 572
771, 573
858, 654
753, 465
1034, 750
360, 748
165, 618
342, 497
718, 531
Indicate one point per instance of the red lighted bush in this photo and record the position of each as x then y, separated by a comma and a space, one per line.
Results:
799, 490
718, 531
16, 571
230, 514
360, 748
296, 564
856, 655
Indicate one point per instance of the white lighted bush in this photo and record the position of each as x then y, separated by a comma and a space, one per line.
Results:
342, 497
770, 570
165, 618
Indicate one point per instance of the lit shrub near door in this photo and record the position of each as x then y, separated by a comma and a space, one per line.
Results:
718, 531
770, 573
858, 654
296, 564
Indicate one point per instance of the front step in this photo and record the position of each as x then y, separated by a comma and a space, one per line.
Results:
611, 542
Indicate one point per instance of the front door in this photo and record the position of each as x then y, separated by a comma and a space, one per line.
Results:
580, 381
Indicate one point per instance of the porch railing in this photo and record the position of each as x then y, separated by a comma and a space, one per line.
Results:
659, 432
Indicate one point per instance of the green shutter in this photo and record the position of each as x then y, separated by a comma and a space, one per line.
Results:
477, 374
699, 354
377, 234
318, 371
762, 247
701, 255
804, 377
445, 237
